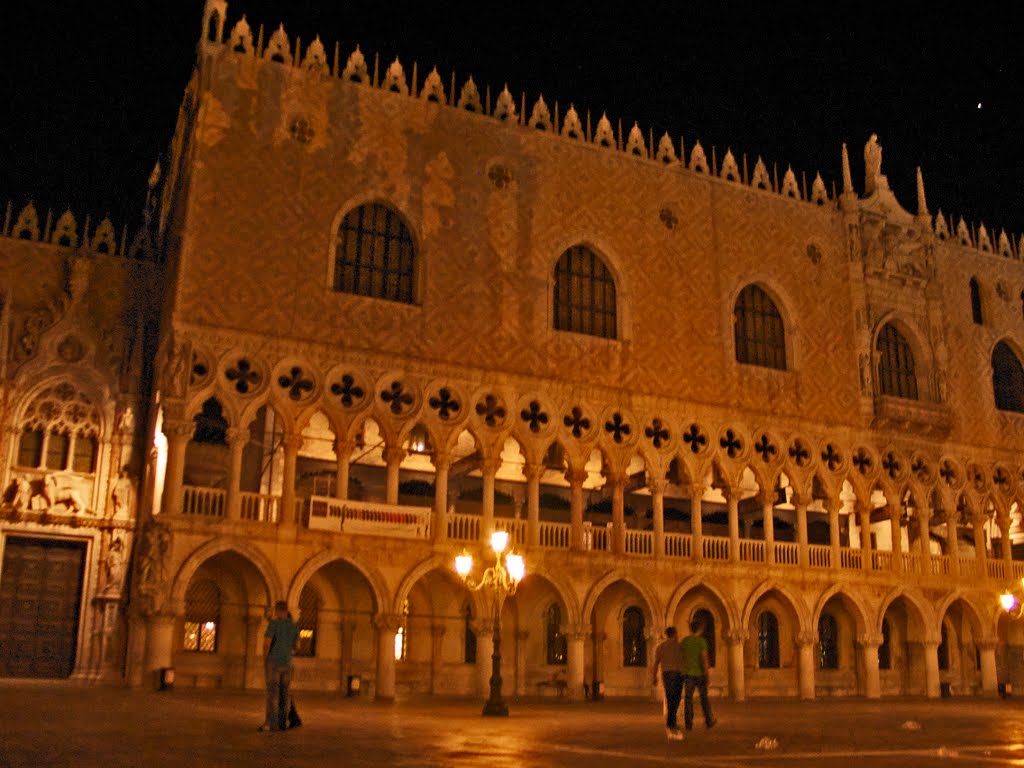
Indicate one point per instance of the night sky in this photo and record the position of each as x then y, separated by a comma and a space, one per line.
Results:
90, 89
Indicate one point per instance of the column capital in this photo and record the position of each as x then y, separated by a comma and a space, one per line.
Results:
766, 498
442, 461
657, 485
178, 429
387, 621
801, 499
615, 480
576, 476
237, 436
490, 466
533, 470
735, 636
292, 442
804, 639
988, 644
868, 640
864, 507
393, 454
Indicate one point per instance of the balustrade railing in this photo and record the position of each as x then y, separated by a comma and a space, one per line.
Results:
997, 569
516, 530
597, 538
678, 545
203, 502
911, 562
787, 553
851, 559
716, 548
819, 555
969, 566
555, 535
1017, 570
639, 543
463, 527
940, 565
752, 550
881, 560
260, 507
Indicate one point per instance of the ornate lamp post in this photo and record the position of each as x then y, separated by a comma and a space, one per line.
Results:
500, 581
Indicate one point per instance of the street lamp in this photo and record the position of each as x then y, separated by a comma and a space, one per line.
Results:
500, 581
1012, 600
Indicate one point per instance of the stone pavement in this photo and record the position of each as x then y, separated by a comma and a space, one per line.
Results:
64, 724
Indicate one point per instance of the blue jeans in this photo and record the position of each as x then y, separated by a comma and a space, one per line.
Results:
279, 678
673, 682
701, 684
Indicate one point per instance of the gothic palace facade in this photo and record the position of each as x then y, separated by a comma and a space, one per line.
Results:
373, 316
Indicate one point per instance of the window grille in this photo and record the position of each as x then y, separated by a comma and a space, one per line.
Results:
584, 294
634, 643
828, 642
57, 450
760, 334
896, 372
202, 616
1007, 379
767, 641
555, 641
309, 615
375, 255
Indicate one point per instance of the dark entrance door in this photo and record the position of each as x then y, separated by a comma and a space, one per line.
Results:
40, 592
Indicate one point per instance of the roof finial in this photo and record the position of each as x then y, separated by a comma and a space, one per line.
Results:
847, 178
922, 206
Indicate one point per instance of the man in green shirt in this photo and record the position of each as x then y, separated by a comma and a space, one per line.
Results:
695, 673
278, 644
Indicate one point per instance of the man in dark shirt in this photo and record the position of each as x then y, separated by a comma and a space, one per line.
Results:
278, 643
670, 658
695, 673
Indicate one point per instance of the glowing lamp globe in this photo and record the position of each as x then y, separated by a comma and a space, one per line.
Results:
464, 564
499, 540
516, 567
1008, 601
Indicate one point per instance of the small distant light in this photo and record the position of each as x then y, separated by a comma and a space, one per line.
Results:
979, 105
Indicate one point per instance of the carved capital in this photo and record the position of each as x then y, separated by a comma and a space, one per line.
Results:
292, 442
657, 486
178, 430
576, 476
490, 466
393, 455
735, 636
438, 630
803, 639
237, 436
533, 470
442, 461
387, 622
868, 640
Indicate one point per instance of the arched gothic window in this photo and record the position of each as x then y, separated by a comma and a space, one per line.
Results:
1007, 379
211, 426
828, 642
30, 447
402, 635
976, 313
60, 431
202, 616
309, 611
943, 650
634, 643
584, 294
767, 641
375, 255
705, 617
760, 334
555, 641
885, 649
469, 646
896, 372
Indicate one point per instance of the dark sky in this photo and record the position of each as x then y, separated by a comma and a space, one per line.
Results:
90, 89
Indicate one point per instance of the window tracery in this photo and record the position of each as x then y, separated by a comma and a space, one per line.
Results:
60, 431
897, 375
375, 255
585, 296
759, 330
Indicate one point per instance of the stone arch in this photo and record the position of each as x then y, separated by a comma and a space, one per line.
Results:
374, 578
700, 581
241, 547
850, 602
565, 593
919, 346
438, 562
248, 413
653, 604
912, 598
82, 379
797, 605
984, 630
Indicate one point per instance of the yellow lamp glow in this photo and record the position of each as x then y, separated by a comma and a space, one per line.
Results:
1008, 601
464, 564
516, 567
499, 540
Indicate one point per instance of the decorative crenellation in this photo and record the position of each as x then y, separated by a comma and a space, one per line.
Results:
64, 231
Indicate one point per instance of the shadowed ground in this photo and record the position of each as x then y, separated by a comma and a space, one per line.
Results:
63, 724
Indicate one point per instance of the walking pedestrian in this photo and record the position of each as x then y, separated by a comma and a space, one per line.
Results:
278, 644
669, 657
696, 670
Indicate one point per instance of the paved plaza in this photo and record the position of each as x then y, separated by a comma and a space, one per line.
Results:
63, 724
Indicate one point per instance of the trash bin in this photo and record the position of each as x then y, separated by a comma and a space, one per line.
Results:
597, 691
945, 691
354, 683
165, 678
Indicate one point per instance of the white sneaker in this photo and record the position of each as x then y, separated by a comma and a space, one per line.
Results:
674, 734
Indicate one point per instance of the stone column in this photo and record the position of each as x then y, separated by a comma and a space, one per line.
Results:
805, 664
737, 683
800, 501
1005, 546
733, 505
980, 546
346, 631
864, 510
393, 458
484, 652
343, 456
768, 521
835, 543
253, 672
291, 444
237, 438
617, 482
159, 643
989, 681
178, 434
576, 478
951, 544
868, 647
657, 488
697, 520
575, 639
520, 681
896, 533
489, 468
533, 474
437, 632
442, 464
931, 669
923, 515
387, 626
598, 642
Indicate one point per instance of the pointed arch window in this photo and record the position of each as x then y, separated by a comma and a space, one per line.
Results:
202, 616
760, 333
1007, 379
897, 375
30, 447
976, 313
828, 642
469, 636
309, 614
374, 255
211, 426
885, 649
57, 445
707, 619
767, 641
584, 300
83, 457
634, 642
554, 639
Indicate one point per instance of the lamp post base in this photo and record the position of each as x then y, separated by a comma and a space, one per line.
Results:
495, 709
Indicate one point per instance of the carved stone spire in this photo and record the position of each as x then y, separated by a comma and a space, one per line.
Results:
922, 205
847, 178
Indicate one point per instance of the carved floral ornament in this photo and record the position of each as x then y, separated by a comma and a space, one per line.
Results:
244, 376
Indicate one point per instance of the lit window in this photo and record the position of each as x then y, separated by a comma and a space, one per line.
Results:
309, 609
759, 332
202, 617
402, 635
584, 300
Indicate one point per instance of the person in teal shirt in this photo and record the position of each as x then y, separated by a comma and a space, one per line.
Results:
278, 644
696, 671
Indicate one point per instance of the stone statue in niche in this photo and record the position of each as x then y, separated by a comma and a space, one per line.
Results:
174, 369
22, 493
121, 496
114, 565
126, 420
873, 178
153, 548
865, 373
57, 492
